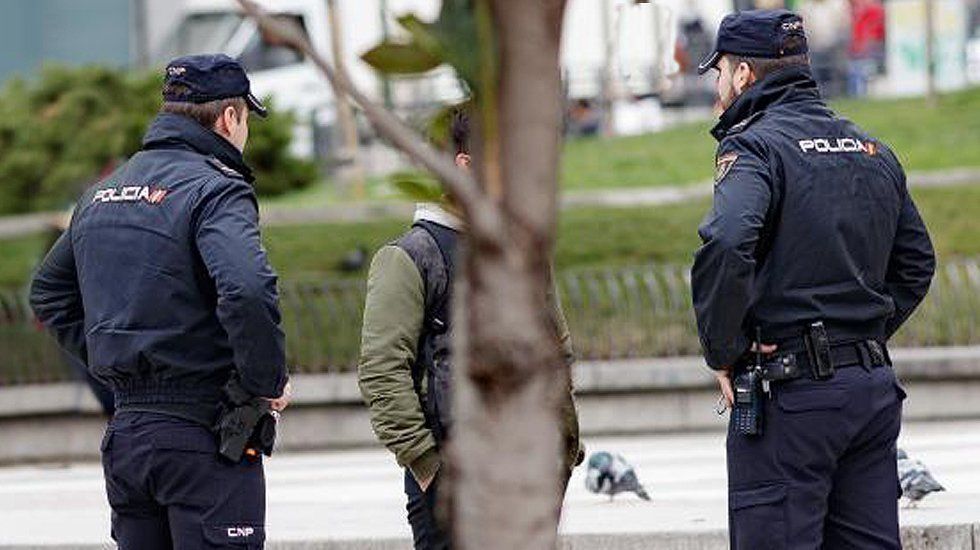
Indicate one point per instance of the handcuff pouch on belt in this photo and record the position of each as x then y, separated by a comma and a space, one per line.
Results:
818, 350
246, 425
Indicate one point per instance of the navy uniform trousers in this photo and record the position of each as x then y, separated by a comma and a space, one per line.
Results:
823, 475
168, 488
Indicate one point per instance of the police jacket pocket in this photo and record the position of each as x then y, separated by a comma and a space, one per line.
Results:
812, 399
244, 535
758, 517
757, 496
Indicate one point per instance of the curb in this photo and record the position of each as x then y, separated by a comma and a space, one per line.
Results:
43, 423
914, 537
661, 374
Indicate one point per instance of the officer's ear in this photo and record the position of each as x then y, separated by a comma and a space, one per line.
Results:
230, 117
231, 124
742, 77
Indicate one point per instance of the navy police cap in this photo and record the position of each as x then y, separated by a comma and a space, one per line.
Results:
203, 78
757, 33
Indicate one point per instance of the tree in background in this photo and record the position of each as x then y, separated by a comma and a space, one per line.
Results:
504, 458
69, 127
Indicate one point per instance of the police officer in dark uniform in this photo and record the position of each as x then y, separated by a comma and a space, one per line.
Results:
813, 255
162, 287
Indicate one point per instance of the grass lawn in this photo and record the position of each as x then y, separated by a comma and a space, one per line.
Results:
684, 154
326, 192
924, 139
19, 258
628, 236
588, 237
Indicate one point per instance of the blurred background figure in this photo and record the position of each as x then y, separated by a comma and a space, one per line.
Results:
827, 23
867, 50
694, 41
584, 119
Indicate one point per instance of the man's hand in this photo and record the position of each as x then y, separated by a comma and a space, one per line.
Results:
280, 403
724, 374
424, 484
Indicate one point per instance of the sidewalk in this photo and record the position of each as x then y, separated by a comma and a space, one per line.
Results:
353, 499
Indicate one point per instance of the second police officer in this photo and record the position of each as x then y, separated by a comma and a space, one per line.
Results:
814, 243
162, 287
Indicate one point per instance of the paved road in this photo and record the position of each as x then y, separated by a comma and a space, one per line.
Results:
356, 494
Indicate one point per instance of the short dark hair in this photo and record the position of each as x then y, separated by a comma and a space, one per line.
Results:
206, 114
459, 131
763, 67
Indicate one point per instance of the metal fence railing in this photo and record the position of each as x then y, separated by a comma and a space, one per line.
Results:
27, 353
612, 313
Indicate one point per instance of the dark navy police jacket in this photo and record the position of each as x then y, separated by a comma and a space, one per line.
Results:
161, 284
811, 220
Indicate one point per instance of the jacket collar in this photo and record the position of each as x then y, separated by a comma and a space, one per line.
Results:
434, 213
172, 131
784, 86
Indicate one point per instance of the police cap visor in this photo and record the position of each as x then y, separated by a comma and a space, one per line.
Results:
769, 34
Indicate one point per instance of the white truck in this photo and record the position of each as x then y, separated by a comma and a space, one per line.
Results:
294, 83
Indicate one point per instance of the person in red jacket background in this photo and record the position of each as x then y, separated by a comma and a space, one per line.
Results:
867, 49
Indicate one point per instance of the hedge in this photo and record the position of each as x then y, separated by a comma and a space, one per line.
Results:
63, 130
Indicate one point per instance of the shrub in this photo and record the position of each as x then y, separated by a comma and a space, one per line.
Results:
62, 131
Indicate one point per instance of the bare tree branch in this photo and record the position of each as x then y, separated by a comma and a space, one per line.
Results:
484, 219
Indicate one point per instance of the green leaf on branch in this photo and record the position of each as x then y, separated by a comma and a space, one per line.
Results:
457, 32
417, 186
400, 58
422, 34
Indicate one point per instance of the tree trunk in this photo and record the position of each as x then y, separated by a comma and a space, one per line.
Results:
504, 472
349, 172
505, 455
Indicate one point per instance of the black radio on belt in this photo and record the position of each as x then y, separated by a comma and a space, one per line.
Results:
747, 409
818, 349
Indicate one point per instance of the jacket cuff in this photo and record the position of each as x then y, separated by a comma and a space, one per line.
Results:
425, 466
725, 356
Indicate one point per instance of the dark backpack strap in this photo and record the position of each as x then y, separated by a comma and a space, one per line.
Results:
445, 239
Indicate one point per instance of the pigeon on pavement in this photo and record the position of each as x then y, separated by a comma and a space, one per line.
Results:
610, 474
915, 479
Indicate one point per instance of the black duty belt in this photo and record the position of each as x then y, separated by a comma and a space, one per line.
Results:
789, 366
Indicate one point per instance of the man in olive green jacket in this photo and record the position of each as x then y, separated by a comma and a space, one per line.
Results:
394, 318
